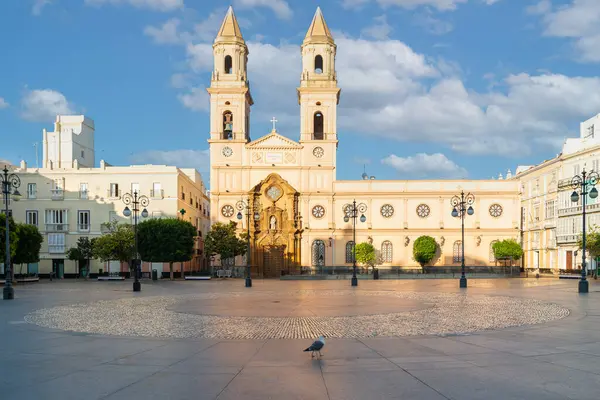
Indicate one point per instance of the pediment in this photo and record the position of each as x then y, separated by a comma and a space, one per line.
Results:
273, 141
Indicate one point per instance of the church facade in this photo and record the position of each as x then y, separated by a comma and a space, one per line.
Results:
288, 193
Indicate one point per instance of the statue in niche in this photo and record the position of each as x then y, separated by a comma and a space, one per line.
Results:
273, 223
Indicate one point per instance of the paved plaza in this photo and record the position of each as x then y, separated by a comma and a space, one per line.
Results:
422, 339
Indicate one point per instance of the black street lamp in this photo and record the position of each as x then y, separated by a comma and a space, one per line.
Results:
9, 182
241, 206
351, 211
582, 182
136, 201
459, 209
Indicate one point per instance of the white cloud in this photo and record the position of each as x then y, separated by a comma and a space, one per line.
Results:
44, 105
167, 33
196, 99
280, 7
540, 8
157, 5
579, 20
379, 30
38, 5
424, 165
3, 103
441, 5
433, 25
184, 158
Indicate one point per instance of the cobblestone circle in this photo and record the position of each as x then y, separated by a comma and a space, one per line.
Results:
450, 313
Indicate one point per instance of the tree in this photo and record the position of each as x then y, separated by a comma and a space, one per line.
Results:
117, 244
14, 238
365, 254
424, 249
29, 244
508, 249
166, 240
592, 243
82, 253
222, 240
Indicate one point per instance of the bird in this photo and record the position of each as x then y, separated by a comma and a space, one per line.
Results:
316, 346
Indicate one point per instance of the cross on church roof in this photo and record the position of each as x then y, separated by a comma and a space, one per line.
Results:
274, 121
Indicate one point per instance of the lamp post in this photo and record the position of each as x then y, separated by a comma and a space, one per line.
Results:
459, 209
241, 206
135, 201
582, 182
351, 211
10, 184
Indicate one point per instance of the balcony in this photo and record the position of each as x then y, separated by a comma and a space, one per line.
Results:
57, 227
56, 249
113, 194
564, 239
550, 223
57, 194
157, 194
564, 183
83, 194
578, 210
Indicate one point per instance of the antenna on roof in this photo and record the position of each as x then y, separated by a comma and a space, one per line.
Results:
364, 174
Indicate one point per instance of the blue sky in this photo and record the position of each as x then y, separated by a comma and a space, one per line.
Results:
430, 88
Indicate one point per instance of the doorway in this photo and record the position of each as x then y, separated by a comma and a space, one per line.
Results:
273, 261
569, 260
58, 268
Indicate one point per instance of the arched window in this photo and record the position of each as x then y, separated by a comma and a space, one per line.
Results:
228, 64
386, 251
227, 125
492, 255
318, 65
318, 253
318, 125
349, 251
457, 252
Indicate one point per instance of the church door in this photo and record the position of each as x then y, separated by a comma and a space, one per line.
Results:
318, 253
273, 261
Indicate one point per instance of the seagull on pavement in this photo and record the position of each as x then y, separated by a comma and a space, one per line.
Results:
316, 346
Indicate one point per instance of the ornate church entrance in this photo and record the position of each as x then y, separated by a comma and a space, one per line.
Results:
277, 233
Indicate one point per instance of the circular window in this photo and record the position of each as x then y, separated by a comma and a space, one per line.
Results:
423, 210
227, 152
495, 210
387, 210
318, 211
227, 211
318, 152
274, 193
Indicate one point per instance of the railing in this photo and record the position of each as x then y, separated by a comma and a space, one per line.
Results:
57, 227
83, 194
550, 223
57, 194
113, 194
157, 194
563, 183
561, 239
56, 249
579, 209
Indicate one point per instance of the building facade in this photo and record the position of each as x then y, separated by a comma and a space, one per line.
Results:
553, 223
296, 202
69, 198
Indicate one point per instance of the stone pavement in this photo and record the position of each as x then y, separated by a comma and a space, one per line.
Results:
558, 358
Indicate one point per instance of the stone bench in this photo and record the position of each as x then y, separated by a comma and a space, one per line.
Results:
197, 278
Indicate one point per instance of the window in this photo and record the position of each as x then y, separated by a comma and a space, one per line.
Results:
492, 255
227, 125
83, 191
31, 190
318, 64
349, 247
57, 190
82, 154
156, 190
83, 221
576, 169
31, 218
536, 213
135, 187
457, 252
228, 64
56, 243
114, 190
182, 194
386, 251
318, 126
318, 253
590, 131
550, 209
56, 220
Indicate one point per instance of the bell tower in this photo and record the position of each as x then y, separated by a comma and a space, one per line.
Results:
318, 94
229, 91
